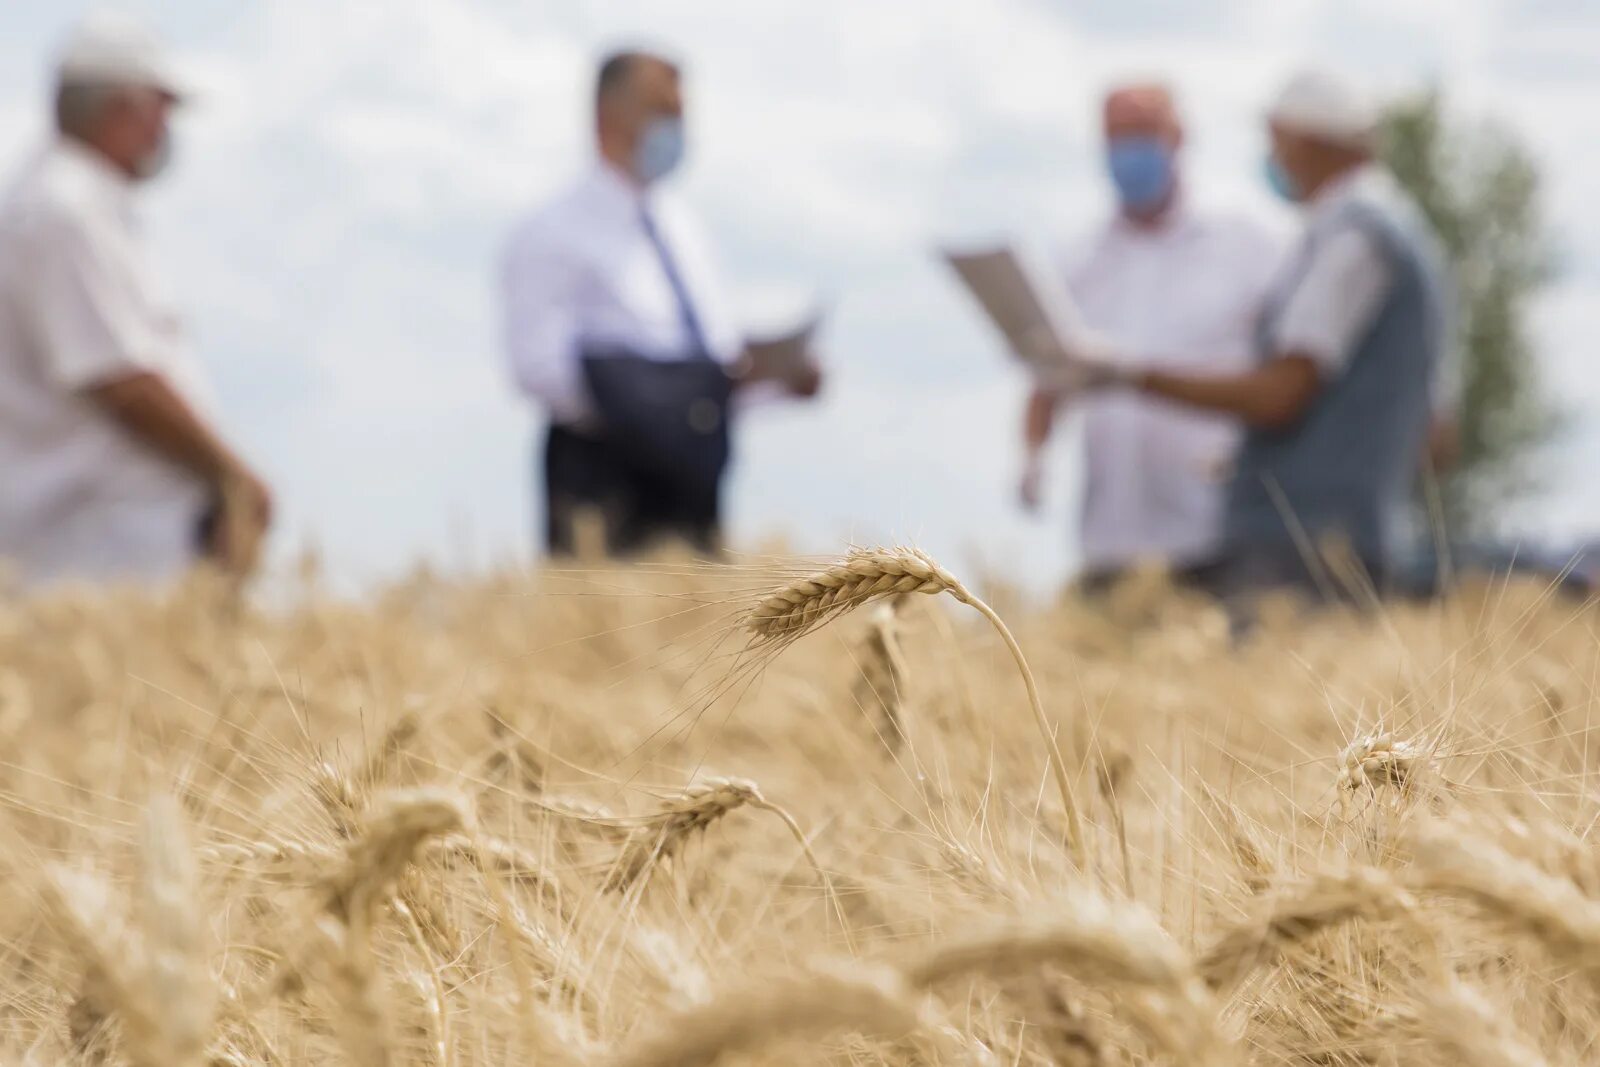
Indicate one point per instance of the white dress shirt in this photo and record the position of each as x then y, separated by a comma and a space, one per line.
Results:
1185, 294
79, 497
582, 272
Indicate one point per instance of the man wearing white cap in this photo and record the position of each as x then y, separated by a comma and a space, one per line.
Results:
112, 468
1337, 409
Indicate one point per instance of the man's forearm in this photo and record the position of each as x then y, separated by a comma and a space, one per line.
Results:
1038, 419
1271, 396
150, 410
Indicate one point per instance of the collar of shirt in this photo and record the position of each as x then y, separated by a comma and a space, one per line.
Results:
84, 165
1176, 223
1365, 178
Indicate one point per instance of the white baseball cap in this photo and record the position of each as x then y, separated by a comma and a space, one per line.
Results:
108, 48
1326, 105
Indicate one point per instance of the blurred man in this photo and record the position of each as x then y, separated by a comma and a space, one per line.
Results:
618, 325
1338, 405
1182, 286
111, 468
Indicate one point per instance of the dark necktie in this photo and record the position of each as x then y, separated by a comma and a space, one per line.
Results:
691, 321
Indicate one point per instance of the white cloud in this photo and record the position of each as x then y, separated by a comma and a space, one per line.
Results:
349, 176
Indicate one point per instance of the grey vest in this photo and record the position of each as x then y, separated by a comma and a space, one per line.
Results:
1346, 468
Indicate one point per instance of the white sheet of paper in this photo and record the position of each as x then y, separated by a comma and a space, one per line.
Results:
1037, 319
785, 356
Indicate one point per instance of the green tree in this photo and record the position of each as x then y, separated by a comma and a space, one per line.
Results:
1480, 189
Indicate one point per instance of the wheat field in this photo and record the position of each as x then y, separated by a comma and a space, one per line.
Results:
794, 812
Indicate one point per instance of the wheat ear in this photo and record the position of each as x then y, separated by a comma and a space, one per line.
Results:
1474, 1032
817, 999
154, 977
1551, 909
171, 919
1294, 916
1098, 943
389, 840
810, 601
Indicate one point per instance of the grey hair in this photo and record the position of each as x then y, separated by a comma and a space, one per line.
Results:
79, 106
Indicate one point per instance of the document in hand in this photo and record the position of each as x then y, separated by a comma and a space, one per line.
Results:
1037, 319
785, 357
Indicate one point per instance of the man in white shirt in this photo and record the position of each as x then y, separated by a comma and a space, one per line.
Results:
618, 326
1183, 286
110, 467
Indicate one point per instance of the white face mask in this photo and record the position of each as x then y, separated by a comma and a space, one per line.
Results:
155, 161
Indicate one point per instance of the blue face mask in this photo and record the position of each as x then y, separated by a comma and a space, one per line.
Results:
1141, 169
660, 149
1279, 180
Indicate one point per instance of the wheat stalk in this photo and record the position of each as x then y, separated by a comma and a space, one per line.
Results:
807, 602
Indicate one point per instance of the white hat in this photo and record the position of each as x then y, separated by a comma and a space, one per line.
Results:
1323, 104
110, 49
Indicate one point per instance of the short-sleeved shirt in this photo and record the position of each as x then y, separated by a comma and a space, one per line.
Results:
1185, 294
79, 497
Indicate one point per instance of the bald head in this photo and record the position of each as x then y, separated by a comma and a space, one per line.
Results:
1143, 135
1142, 110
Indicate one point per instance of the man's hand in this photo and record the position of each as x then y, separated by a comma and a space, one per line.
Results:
1030, 490
806, 381
159, 418
242, 521
1086, 362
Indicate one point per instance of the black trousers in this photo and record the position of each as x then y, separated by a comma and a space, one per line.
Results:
639, 508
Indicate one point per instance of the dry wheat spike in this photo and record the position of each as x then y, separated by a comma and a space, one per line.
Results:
817, 999
1378, 759
390, 839
1551, 909
153, 977
1474, 1032
1291, 917
809, 601
1095, 941
701, 805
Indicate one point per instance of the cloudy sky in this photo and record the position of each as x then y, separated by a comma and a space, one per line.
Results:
347, 181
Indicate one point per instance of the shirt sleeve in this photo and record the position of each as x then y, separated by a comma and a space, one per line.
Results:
541, 327
1335, 300
87, 319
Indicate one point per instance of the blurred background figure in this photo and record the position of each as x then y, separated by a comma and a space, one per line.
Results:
618, 325
1181, 285
111, 465
1338, 407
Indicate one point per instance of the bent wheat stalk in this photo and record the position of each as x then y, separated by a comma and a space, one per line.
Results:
810, 601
